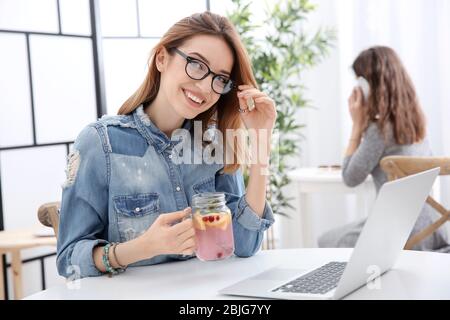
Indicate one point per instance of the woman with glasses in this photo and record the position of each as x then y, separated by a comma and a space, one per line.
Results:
127, 197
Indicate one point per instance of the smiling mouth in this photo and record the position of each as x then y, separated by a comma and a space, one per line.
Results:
192, 98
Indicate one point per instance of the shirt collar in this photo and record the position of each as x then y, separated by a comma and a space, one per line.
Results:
151, 131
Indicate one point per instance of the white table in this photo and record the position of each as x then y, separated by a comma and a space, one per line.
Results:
13, 242
417, 275
318, 180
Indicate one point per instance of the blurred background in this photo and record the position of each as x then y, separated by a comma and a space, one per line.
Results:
65, 63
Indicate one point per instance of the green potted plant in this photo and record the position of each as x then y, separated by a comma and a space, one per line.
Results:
280, 56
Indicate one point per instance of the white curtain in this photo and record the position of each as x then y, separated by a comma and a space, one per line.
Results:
419, 30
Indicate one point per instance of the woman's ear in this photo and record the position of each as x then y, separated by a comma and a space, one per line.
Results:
161, 59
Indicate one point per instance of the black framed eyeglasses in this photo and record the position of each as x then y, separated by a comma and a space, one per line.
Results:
198, 70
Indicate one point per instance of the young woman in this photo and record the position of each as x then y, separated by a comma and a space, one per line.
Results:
389, 121
124, 189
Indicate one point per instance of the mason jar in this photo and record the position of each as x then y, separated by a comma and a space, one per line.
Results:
213, 226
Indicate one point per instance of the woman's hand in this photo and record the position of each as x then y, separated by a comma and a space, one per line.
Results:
358, 113
260, 118
166, 236
356, 108
264, 113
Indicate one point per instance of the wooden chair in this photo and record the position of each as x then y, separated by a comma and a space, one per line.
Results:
48, 215
401, 166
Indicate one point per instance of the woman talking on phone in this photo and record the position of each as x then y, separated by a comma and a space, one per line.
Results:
127, 197
387, 120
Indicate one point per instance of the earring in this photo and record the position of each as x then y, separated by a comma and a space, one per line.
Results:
211, 131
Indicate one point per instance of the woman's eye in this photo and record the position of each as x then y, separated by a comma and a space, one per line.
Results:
198, 65
223, 81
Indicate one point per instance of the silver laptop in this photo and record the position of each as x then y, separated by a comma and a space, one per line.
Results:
383, 237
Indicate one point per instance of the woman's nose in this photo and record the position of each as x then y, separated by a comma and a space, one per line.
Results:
205, 85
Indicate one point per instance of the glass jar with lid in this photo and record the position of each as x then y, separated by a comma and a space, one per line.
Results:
213, 226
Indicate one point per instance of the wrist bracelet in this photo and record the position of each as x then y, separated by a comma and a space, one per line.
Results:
106, 262
114, 245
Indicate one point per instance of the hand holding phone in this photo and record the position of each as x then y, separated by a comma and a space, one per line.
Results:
365, 87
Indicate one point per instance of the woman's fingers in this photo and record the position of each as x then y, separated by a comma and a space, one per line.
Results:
182, 227
251, 93
190, 233
188, 252
245, 87
267, 106
248, 98
358, 95
264, 100
353, 98
188, 247
265, 103
174, 217
247, 91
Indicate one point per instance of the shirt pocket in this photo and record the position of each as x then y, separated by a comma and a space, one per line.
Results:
135, 214
205, 185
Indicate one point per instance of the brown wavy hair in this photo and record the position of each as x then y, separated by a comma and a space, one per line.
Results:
205, 23
393, 100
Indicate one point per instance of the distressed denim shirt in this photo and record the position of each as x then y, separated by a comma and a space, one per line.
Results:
121, 176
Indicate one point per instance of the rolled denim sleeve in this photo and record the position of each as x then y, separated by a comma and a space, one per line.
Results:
248, 227
84, 206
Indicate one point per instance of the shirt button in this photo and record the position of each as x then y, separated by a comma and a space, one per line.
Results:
178, 189
170, 156
137, 209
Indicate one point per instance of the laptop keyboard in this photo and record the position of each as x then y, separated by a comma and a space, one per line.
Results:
318, 281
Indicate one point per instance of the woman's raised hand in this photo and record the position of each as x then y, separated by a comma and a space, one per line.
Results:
260, 116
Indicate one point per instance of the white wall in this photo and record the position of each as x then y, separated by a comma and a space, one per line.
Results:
47, 95
129, 38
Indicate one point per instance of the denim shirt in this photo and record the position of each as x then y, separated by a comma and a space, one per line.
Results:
121, 176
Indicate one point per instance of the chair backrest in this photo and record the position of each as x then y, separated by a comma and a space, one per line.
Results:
48, 215
397, 167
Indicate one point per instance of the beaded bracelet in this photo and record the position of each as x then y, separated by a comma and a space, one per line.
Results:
106, 262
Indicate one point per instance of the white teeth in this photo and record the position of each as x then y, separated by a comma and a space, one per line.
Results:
193, 98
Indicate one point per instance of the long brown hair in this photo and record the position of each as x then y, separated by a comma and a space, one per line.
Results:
205, 23
393, 100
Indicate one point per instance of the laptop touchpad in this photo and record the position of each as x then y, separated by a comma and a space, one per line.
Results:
277, 274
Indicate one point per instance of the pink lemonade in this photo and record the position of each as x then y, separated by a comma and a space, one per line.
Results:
214, 233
